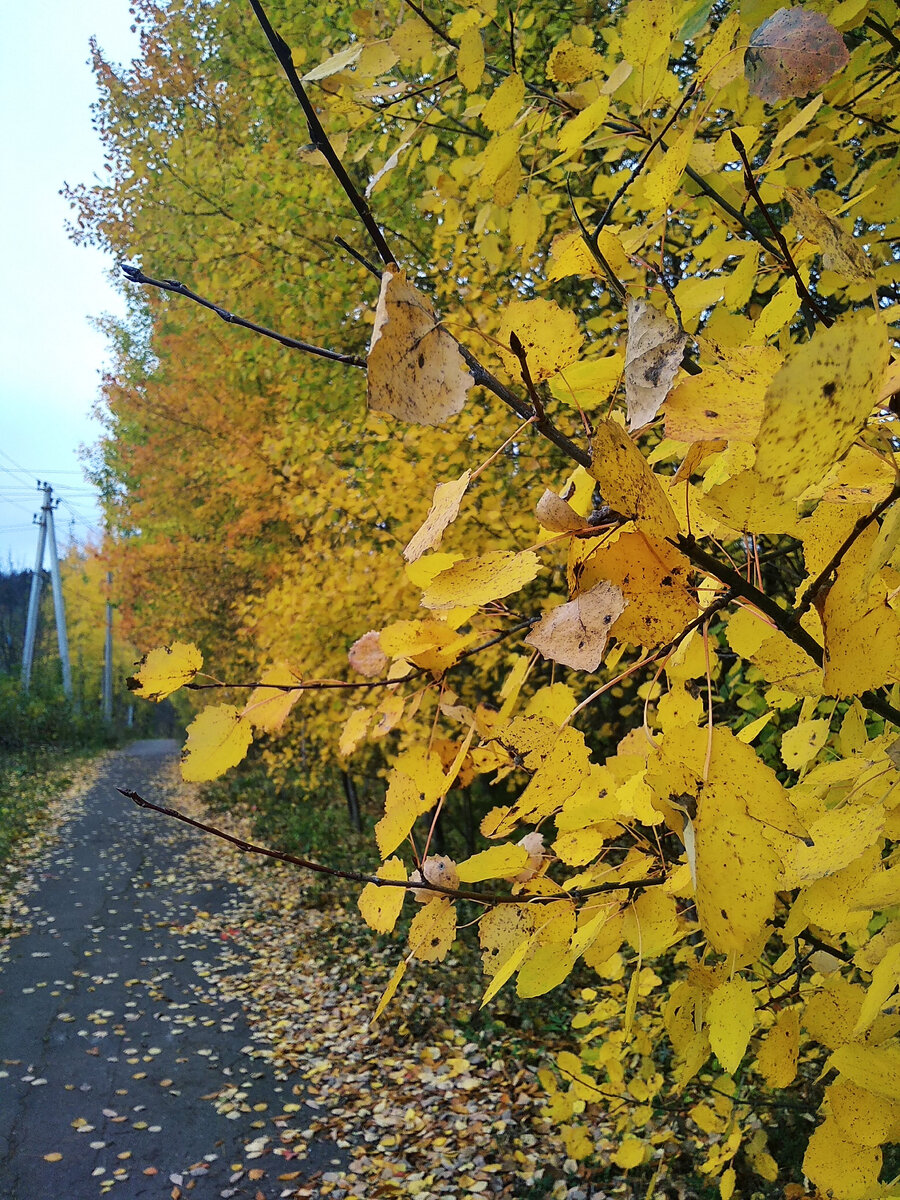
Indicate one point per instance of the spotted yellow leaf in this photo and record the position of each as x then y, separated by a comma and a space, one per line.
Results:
165, 670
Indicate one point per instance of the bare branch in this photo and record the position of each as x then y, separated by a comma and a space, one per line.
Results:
172, 285
802, 291
307, 864
319, 137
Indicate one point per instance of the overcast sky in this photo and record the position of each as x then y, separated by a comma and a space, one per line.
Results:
50, 357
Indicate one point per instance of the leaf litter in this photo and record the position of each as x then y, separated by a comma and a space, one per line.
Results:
324, 1103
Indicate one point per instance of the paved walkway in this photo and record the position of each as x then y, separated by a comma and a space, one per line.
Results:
119, 1072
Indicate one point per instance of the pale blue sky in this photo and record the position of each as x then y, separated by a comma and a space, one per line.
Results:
50, 357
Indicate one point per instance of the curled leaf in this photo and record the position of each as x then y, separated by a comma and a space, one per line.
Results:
557, 514
653, 355
443, 512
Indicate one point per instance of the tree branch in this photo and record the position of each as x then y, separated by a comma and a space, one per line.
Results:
809, 596
319, 137
135, 275
802, 291
307, 864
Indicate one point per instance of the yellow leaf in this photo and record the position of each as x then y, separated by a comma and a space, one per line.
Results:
432, 930
165, 670
380, 906
725, 400
477, 581
627, 482
497, 862
731, 1015
653, 355
651, 923
727, 1182
875, 1068
470, 59
838, 838
404, 802
268, 707
588, 383
778, 1054
577, 1141
505, 104
558, 777
749, 732
862, 1116
354, 731
841, 252
549, 336
505, 971
502, 931
545, 969
839, 1167
661, 182
862, 631
337, 62
415, 369
885, 980
818, 402
53, 1157
388, 994
407, 639
575, 132
569, 63
800, 745
630, 1153
218, 738
444, 510
575, 634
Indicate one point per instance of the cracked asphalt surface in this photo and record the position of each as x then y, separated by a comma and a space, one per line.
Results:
121, 1072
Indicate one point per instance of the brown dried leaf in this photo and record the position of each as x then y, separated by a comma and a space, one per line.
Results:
366, 655
575, 634
794, 53
652, 357
557, 514
415, 369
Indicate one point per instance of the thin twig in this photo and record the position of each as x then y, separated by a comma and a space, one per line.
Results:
361, 877
642, 162
812, 591
780, 618
230, 318
802, 291
319, 137
538, 405
360, 258
318, 685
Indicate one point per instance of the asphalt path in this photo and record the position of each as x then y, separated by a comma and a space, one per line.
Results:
121, 1071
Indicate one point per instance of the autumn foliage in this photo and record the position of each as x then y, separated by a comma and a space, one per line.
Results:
609, 535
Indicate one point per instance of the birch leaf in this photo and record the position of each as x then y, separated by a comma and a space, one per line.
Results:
165, 670
218, 738
415, 369
443, 512
575, 634
653, 354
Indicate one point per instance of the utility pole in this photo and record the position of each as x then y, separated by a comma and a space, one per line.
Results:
108, 654
34, 597
59, 608
46, 533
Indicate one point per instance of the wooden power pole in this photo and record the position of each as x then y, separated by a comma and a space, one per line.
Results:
46, 533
